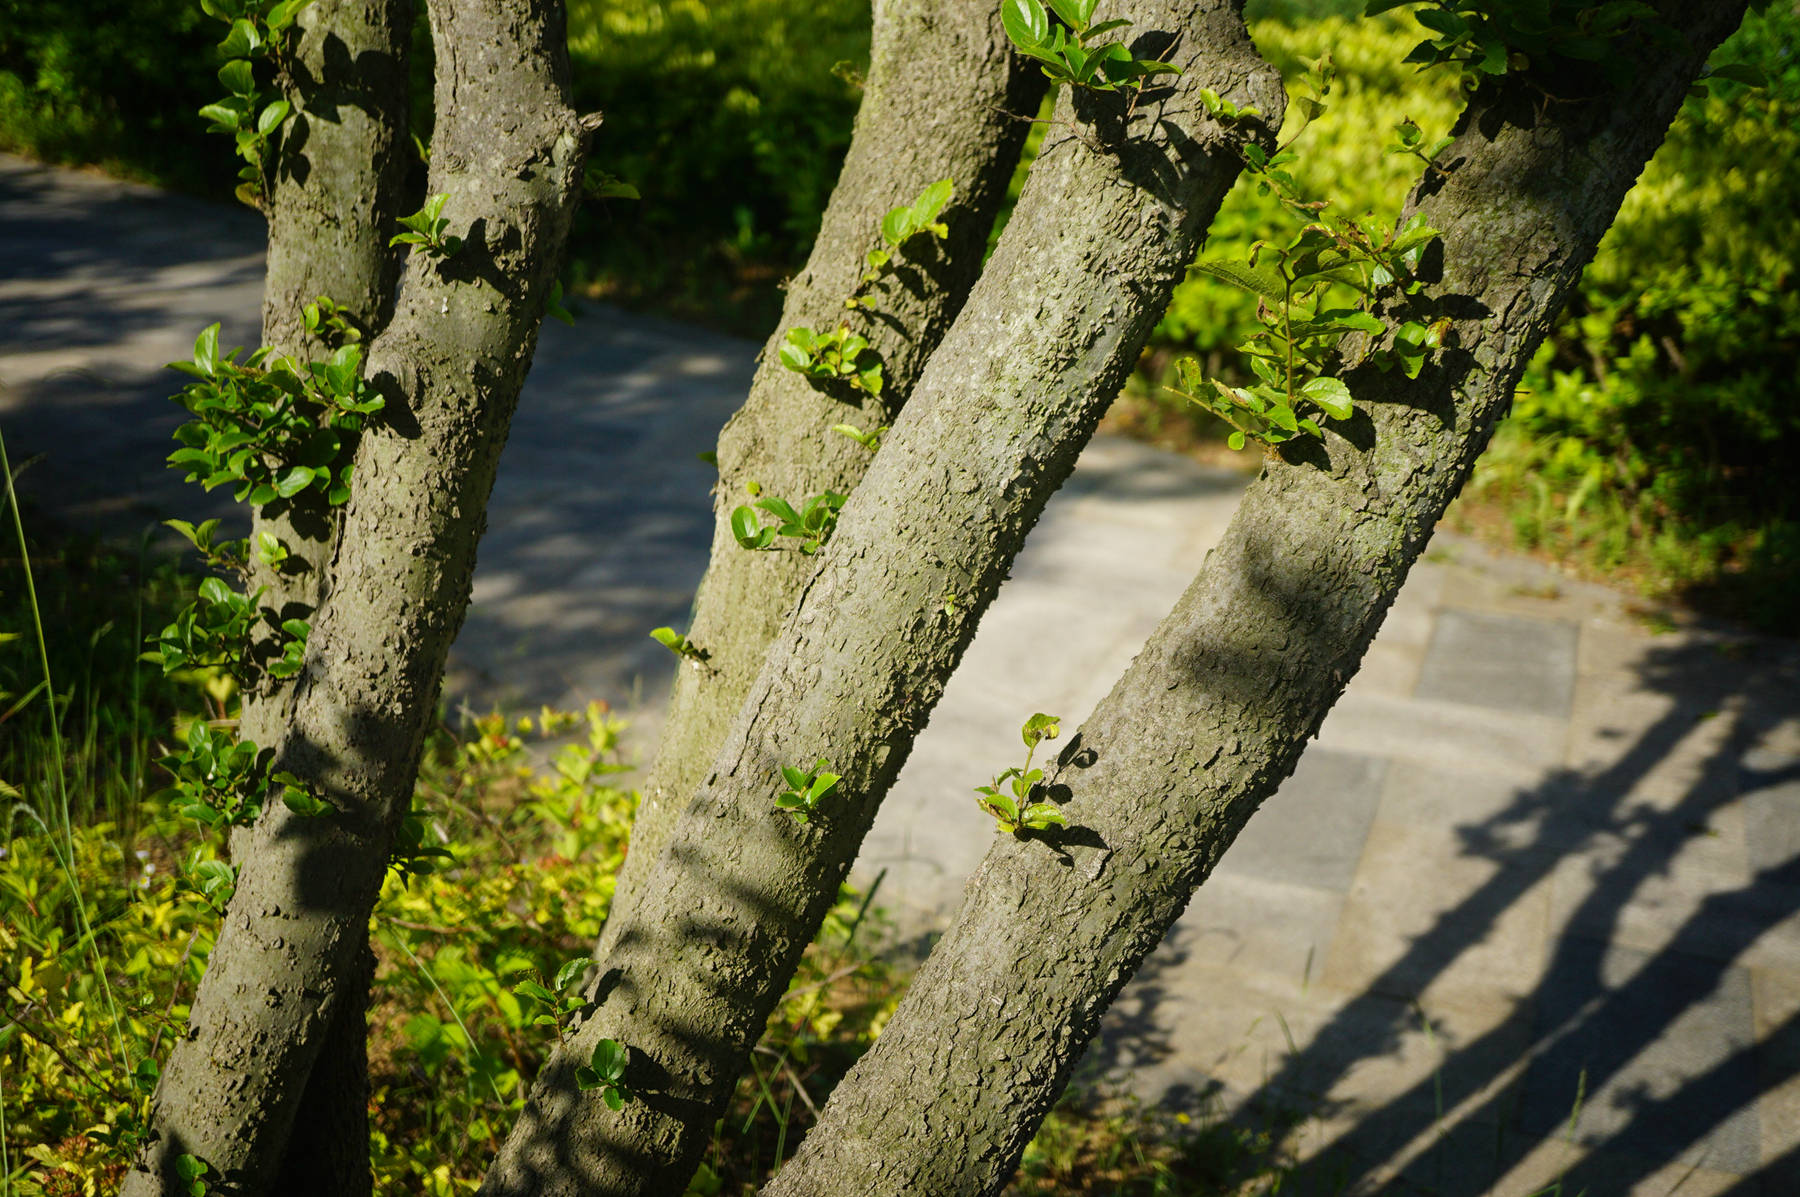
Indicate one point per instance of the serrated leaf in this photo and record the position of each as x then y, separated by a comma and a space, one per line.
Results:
1258, 280
571, 972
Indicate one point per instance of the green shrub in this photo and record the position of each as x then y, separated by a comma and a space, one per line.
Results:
1644, 436
1650, 434
96, 81
731, 120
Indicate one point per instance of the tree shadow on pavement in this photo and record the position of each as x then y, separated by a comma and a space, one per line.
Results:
1656, 1046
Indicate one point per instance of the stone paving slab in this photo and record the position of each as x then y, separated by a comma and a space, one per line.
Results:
1531, 839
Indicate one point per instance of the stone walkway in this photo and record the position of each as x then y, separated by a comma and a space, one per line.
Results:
1529, 910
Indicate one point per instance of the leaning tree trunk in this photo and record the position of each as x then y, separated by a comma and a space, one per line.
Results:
509, 154
331, 207
945, 98
1212, 715
1108, 222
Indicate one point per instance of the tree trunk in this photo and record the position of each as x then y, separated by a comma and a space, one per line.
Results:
333, 203
1212, 715
1108, 222
509, 154
945, 98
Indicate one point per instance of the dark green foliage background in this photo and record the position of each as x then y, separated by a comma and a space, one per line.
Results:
1651, 438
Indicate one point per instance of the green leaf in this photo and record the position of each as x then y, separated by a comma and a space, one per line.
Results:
1258, 280
571, 972
238, 77
216, 592
796, 358
190, 1167
1412, 237
609, 1059
931, 201
897, 226
1331, 395
1040, 815
614, 1099
1236, 439
206, 350
780, 508
271, 117
1025, 21
241, 41
304, 804
294, 481
1740, 72
746, 528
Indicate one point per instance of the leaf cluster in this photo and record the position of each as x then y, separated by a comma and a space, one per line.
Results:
219, 781
425, 229
899, 226
332, 323
812, 525
1301, 287
212, 631
841, 355
412, 854
559, 1000
605, 1071
806, 789
1483, 38
251, 116
1070, 50
271, 428
835, 356
1009, 798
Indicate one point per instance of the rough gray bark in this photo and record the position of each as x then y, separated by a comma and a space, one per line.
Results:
1212, 715
508, 153
1109, 220
332, 205
943, 99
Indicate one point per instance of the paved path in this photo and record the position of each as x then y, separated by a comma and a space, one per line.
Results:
1539, 863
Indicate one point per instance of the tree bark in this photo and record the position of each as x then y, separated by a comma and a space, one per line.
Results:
1109, 220
332, 206
1212, 715
945, 98
509, 154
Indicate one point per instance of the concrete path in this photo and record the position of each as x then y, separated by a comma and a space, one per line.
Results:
1529, 909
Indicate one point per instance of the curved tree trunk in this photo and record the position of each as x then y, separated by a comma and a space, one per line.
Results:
1212, 715
945, 98
1109, 220
508, 154
331, 207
